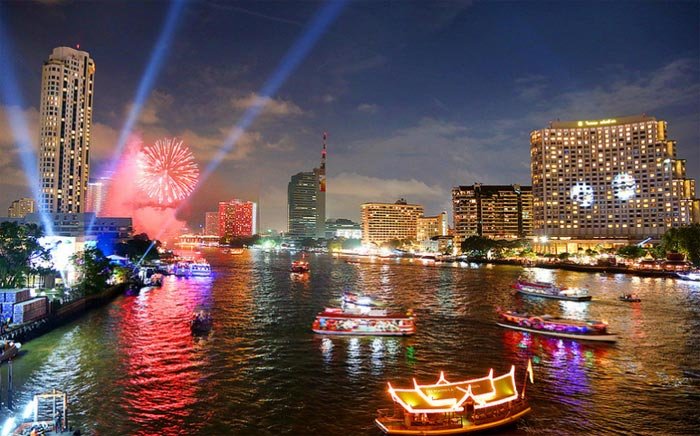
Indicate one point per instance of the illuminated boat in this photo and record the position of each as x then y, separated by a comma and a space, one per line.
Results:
236, 251
690, 275
550, 290
200, 268
201, 323
446, 408
353, 300
559, 327
300, 267
8, 349
630, 298
363, 321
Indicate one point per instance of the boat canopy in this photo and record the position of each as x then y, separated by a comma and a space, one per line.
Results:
445, 396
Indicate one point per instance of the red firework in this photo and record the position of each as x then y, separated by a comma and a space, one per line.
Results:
167, 171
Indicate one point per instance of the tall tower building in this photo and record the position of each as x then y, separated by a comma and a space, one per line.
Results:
609, 179
306, 201
67, 82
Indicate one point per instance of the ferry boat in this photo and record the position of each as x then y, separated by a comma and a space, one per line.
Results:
8, 349
447, 408
559, 327
550, 290
363, 321
200, 268
300, 267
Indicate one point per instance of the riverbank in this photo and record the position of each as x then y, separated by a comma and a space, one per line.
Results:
62, 314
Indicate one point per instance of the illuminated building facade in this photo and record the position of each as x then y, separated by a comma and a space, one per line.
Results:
383, 222
492, 211
609, 179
20, 208
237, 218
306, 202
96, 195
430, 226
65, 126
211, 223
343, 228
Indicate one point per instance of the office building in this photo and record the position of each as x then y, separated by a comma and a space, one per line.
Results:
492, 211
383, 222
20, 208
65, 127
608, 179
343, 228
211, 223
306, 202
237, 218
430, 226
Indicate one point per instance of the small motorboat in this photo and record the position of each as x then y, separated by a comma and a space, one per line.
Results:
201, 323
8, 349
630, 298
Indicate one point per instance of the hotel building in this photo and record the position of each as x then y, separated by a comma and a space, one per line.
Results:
430, 226
20, 208
492, 211
65, 125
96, 195
211, 223
383, 222
237, 218
611, 179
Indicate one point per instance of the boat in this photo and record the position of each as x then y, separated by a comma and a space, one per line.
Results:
559, 327
353, 300
447, 408
363, 321
46, 414
693, 276
300, 267
201, 323
550, 290
8, 349
236, 251
200, 268
630, 298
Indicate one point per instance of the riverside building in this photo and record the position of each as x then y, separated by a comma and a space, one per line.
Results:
306, 202
608, 182
65, 126
20, 208
431, 226
383, 222
492, 211
237, 218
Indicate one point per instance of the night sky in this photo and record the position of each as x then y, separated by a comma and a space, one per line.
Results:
416, 97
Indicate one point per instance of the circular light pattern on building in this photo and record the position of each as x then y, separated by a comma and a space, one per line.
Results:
582, 193
624, 186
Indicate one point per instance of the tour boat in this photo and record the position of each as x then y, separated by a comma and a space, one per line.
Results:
559, 327
690, 275
300, 267
200, 268
363, 321
353, 300
550, 290
447, 408
8, 349
630, 298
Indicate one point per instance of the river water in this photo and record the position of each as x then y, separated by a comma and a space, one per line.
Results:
133, 368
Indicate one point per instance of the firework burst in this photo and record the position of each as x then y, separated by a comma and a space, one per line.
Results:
167, 171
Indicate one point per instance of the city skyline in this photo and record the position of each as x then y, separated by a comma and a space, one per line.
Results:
460, 123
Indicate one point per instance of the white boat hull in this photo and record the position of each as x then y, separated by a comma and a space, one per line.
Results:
556, 297
595, 338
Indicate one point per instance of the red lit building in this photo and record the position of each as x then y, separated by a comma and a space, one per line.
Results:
237, 218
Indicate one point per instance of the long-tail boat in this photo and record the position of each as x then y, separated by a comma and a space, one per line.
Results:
447, 408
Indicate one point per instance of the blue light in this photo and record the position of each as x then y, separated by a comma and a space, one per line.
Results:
12, 97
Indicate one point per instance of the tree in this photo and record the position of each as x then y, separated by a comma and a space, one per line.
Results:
631, 252
136, 247
94, 271
21, 254
685, 240
477, 246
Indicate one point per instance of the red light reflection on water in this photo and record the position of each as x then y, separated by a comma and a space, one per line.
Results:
160, 359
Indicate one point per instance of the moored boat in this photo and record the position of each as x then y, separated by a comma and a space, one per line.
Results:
363, 321
550, 290
560, 327
8, 349
446, 408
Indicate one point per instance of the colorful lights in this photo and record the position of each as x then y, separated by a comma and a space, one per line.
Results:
582, 193
624, 186
167, 171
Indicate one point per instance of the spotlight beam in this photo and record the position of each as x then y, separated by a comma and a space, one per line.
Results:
12, 96
291, 60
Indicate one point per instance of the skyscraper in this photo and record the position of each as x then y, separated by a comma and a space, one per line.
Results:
237, 218
67, 82
211, 223
306, 201
609, 179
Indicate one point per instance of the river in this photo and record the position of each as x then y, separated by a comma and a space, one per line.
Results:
133, 368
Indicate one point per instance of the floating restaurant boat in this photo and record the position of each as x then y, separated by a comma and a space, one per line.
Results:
200, 268
363, 321
559, 327
300, 267
550, 290
8, 349
447, 408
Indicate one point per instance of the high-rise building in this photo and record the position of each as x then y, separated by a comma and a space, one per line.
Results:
492, 211
96, 195
237, 218
383, 222
211, 223
609, 179
65, 121
306, 202
20, 208
430, 226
